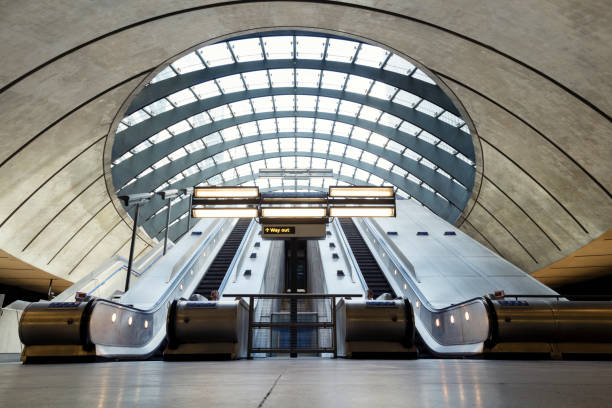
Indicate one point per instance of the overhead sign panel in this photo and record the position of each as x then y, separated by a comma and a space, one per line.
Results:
278, 231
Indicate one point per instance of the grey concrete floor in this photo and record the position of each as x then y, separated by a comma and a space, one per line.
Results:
309, 383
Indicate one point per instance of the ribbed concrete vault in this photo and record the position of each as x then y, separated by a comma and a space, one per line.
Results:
529, 76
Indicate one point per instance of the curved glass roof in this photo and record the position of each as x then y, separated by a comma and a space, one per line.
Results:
293, 100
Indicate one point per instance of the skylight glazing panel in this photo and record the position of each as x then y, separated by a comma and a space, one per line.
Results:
381, 90
411, 155
287, 145
273, 163
140, 147
320, 146
246, 49
427, 187
332, 164
256, 79
121, 127
288, 162
421, 76
160, 137
307, 78
176, 178
200, 119
413, 179
361, 175
194, 146
230, 133
406, 98
465, 159
303, 162
216, 55
257, 165
161, 163
284, 102
429, 108
369, 113
451, 119
229, 174
371, 56
191, 170
446, 148
212, 139
230, 84
347, 170
163, 74
427, 163
358, 84
262, 105
220, 113
123, 158
328, 105
282, 78
395, 147
278, 47
389, 120
348, 108
222, 157
341, 50
160, 188
286, 124
180, 127
375, 180
323, 126
188, 63
353, 152
428, 137
442, 172
318, 163
306, 102
158, 107
215, 180
241, 108
270, 146
399, 171
333, 80
368, 157
310, 47
378, 140
304, 144
237, 152
466, 129
248, 129
181, 98
275, 182
206, 90
402, 194
336, 148
267, 126
206, 163
409, 128
244, 170
144, 173
177, 154
342, 129
305, 124
360, 134
136, 117
254, 148
398, 65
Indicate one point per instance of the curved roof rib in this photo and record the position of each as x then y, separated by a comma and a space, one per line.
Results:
293, 100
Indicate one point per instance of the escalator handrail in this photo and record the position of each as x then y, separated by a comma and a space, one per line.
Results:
237, 256
349, 254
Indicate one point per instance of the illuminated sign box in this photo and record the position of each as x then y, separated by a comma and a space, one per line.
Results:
277, 231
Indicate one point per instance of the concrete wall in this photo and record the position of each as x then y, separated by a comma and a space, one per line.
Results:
531, 76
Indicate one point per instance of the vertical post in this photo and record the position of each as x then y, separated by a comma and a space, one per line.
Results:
334, 332
167, 224
250, 331
132, 246
293, 340
189, 212
50, 290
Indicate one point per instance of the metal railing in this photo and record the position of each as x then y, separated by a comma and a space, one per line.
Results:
290, 329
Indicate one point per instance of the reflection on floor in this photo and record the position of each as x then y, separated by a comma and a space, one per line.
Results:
309, 383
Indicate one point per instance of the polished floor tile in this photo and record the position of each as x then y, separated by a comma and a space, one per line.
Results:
309, 383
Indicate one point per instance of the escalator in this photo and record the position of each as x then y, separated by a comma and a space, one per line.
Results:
218, 269
373, 275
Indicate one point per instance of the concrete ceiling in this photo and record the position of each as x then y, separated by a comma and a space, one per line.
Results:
531, 76
14, 272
